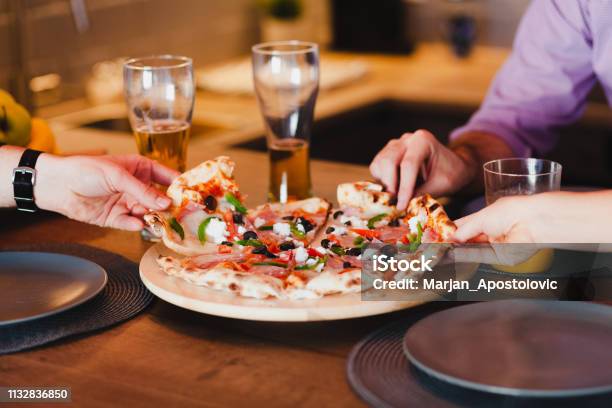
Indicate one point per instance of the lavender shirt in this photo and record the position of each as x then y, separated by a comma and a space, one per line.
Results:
561, 48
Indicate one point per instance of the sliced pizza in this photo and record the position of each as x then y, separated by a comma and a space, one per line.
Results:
285, 251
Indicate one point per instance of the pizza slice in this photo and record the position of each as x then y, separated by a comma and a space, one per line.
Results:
427, 217
242, 274
366, 216
253, 275
206, 214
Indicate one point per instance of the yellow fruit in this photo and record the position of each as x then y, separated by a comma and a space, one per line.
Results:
14, 122
41, 137
5, 97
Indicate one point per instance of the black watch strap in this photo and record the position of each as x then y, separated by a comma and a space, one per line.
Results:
24, 180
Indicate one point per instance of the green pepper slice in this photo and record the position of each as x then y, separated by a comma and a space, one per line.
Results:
202, 229
236, 203
250, 242
176, 226
295, 231
375, 219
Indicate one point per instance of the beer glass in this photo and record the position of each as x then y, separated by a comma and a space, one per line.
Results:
159, 92
510, 177
286, 78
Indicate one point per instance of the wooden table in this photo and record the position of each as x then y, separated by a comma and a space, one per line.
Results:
169, 357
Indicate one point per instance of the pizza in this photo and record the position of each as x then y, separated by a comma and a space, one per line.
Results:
298, 250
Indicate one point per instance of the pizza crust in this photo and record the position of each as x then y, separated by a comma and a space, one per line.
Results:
219, 170
224, 279
368, 198
310, 205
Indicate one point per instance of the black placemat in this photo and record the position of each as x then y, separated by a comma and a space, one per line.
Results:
123, 297
380, 374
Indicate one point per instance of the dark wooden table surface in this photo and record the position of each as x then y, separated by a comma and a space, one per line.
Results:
171, 357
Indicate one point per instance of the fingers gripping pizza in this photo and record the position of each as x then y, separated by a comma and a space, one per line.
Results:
287, 251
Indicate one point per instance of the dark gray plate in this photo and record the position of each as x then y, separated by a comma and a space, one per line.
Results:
526, 348
37, 284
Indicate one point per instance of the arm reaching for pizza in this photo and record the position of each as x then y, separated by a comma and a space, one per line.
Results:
559, 217
110, 191
537, 91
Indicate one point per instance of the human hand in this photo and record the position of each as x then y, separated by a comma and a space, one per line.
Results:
555, 217
398, 164
110, 191
509, 219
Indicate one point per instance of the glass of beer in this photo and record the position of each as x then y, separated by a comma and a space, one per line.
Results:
159, 92
511, 177
286, 78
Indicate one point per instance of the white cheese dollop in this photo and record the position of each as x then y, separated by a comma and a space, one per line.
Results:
355, 221
282, 228
259, 222
340, 230
420, 218
300, 228
300, 255
241, 229
216, 231
311, 261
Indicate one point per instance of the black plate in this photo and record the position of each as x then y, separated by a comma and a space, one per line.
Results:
37, 284
520, 348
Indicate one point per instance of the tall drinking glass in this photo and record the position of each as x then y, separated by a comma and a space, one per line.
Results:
511, 177
159, 92
286, 77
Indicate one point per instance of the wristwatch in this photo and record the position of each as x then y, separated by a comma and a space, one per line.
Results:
24, 180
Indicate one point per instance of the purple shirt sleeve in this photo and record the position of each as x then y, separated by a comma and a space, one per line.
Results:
545, 81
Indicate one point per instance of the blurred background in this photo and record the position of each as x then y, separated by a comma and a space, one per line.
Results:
387, 66
61, 40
